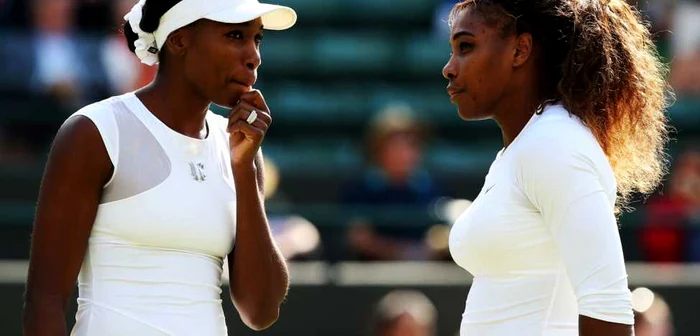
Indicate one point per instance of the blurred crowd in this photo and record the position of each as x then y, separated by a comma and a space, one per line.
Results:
64, 54
69, 53
411, 313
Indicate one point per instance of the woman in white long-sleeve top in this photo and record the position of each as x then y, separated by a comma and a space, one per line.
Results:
579, 95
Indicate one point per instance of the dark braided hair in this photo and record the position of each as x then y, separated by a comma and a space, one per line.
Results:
599, 60
153, 10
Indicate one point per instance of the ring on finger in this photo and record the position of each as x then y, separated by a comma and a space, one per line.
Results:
252, 117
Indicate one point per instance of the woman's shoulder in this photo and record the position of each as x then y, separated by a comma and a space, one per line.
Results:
558, 132
557, 121
103, 107
558, 147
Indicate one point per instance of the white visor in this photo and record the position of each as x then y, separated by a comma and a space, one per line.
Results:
274, 17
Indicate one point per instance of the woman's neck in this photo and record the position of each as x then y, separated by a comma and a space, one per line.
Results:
176, 104
516, 108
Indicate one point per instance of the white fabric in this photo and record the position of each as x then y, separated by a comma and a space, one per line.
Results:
154, 260
541, 239
146, 48
144, 163
185, 12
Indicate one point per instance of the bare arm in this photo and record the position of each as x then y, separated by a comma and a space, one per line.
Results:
77, 168
588, 326
258, 275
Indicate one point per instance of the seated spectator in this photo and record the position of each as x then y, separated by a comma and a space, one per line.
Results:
52, 59
404, 313
296, 237
667, 229
393, 180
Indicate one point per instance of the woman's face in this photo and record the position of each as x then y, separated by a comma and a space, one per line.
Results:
221, 60
480, 66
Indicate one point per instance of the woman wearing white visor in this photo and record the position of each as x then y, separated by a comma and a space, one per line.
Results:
144, 194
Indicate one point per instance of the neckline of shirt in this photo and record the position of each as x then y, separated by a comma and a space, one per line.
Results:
139, 104
533, 118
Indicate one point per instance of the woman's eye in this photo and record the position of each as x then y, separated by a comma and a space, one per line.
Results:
236, 34
464, 46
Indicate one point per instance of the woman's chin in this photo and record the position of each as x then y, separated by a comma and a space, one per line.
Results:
471, 114
466, 114
229, 100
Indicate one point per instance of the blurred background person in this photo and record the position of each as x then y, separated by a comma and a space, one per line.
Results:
670, 231
652, 315
54, 59
296, 237
392, 179
48, 63
325, 80
404, 313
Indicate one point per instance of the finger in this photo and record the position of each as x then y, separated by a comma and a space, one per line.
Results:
255, 98
243, 109
258, 124
249, 131
243, 116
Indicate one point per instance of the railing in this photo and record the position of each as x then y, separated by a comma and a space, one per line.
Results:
396, 274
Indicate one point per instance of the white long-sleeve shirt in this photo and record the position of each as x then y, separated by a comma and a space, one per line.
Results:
541, 239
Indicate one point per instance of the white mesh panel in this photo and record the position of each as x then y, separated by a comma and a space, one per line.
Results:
143, 164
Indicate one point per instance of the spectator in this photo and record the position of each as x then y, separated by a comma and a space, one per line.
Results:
393, 180
404, 313
663, 237
53, 59
296, 237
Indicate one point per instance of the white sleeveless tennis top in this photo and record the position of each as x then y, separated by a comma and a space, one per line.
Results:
164, 224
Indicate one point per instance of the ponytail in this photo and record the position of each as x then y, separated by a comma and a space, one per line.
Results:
600, 62
614, 81
153, 10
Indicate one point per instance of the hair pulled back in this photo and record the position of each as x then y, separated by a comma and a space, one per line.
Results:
599, 60
153, 10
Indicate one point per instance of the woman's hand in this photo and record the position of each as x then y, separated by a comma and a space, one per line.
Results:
244, 138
